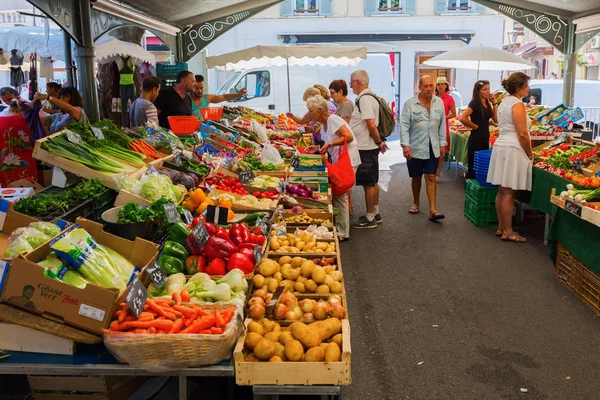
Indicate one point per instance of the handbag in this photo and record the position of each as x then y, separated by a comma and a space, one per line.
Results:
341, 174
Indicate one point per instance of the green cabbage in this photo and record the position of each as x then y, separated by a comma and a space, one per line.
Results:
130, 184
18, 246
56, 269
48, 228
154, 187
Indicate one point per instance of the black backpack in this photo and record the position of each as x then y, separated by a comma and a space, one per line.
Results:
387, 122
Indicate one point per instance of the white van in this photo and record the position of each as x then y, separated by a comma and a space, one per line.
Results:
550, 92
268, 87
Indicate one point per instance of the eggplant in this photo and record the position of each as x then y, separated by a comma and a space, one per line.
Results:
186, 181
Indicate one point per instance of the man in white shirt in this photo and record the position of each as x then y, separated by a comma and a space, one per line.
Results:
363, 123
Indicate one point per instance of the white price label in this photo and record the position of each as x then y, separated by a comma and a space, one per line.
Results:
91, 312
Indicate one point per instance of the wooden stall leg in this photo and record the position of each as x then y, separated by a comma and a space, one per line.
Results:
183, 393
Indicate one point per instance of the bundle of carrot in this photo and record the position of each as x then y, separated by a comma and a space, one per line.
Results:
142, 147
164, 316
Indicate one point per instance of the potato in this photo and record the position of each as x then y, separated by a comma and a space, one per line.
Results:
337, 339
252, 339
301, 279
274, 243
327, 328
324, 346
267, 325
258, 280
287, 284
333, 353
299, 287
272, 336
277, 276
310, 286
297, 262
290, 273
336, 287
323, 289
307, 336
272, 285
268, 267
318, 275
329, 269
285, 270
275, 359
336, 275
315, 354
276, 327
286, 336
279, 351
307, 268
328, 281
256, 328
285, 260
251, 358
294, 350
264, 349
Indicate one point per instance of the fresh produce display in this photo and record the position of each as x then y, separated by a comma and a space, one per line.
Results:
166, 316
319, 341
152, 187
581, 196
227, 184
26, 239
298, 275
144, 148
575, 177
251, 161
301, 190
257, 200
289, 308
57, 269
303, 242
304, 218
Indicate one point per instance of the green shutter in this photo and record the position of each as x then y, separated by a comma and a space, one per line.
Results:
326, 7
371, 7
441, 6
286, 8
410, 7
477, 8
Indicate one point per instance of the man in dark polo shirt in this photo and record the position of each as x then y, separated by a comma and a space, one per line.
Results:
174, 101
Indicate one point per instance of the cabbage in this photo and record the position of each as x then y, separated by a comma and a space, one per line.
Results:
156, 187
48, 228
19, 246
34, 237
56, 269
177, 193
130, 184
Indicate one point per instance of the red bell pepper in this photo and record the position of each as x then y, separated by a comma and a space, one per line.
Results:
216, 267
219, 248
239, 233
257, 239
241, 262
197, 220
210, 228
191, 246
195, 264
223, 234
250, 246
249, 253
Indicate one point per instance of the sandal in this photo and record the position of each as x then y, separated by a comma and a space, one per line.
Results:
343, 238
514, 237
436, 216
413, 210
499, 233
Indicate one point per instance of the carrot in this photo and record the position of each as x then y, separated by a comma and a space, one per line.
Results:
173, 311
177, 325
123, 305
146, 316
228, 315
177, 298
110, 332
152, 330
165, 325
170, 316
163, 302
194, 315
185, 296
216, 331
146, 307
160, 332
219, 320
184, 311
139, 330
155, 307
200, 324
130, 318
205, 332
121, 315
201, 312
115, 325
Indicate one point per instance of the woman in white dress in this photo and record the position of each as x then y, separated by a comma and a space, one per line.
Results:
334, 131
511, 162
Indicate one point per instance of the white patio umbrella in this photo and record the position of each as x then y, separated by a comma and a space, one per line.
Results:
278, 56
33, 39
480, 57
110, 48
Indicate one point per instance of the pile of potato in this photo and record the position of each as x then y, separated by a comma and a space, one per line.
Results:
305, 242
298, 275
304, 218
320, 341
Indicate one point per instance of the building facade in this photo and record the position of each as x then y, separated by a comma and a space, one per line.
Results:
410, 31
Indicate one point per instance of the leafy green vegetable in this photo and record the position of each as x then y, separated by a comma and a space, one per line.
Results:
156, 186
47, 228
56, 269
19, 246
113, 133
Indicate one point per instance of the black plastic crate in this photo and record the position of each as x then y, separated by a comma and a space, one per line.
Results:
104, 199
84, 209
158, 237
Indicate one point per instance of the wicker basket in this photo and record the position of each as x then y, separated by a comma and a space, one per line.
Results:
158, 353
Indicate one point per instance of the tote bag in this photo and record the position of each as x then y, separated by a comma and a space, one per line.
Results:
341, 174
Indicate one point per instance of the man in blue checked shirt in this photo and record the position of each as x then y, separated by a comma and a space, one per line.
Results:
423, 140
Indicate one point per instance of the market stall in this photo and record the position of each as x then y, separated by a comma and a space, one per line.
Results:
207, 253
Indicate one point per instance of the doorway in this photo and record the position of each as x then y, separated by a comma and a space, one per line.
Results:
435, 72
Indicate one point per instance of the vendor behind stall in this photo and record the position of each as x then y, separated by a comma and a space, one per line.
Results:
174, 101
201, 100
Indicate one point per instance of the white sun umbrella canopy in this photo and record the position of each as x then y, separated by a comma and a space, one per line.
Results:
33, 39
480, 57
279, 56
110, 48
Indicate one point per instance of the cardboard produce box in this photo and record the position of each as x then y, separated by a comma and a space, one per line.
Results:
90, 308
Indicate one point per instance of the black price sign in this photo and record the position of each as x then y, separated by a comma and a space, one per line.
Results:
177, 158
261, 224
188, 217
274, 299
246, 177
136, 298
171, 213
151, 170
217, 215
573, 207
157, 276
201, 234
577, 143
295, 162
258, 255
74, 137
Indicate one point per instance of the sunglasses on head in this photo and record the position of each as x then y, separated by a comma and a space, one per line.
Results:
483, 82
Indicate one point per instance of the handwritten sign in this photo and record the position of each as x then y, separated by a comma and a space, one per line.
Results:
177, 158
74, 137
572, 207
152, 170
258, 255
98, 133
262, 225
136, 298
246, 177
171, 213
274, 300
157, 275
201, 234
188, 217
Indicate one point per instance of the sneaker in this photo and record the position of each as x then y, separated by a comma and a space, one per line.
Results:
364, 223
378, 218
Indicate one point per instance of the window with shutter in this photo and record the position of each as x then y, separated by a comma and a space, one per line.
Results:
392, 7
286, 8
459, 6
326, 7
371, 7
306, 7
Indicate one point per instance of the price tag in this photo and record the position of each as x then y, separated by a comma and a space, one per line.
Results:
211, 190
577, 143
217, 215
177, 158
188, 217
296, 162
171, 213
274, 299
258, 255
573, 207
157, 276
151, 170
279, 231
262, 225
197, 137
98, 133
201, 234
74, 137
246, 177
136, 298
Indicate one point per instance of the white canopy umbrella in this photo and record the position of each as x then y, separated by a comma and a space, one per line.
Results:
33, 39
110, 48
480, 57
279, 56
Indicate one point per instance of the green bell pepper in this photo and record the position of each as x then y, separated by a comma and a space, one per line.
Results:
170, 265
179, 232
176, 250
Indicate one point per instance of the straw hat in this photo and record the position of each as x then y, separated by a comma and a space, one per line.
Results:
441, 79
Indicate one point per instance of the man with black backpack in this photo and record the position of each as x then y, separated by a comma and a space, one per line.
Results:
371, 122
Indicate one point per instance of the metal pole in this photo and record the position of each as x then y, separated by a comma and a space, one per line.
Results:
288, 83
569, 79
85, 61
69, 59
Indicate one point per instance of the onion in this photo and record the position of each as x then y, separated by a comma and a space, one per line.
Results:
309, 192
335, 299
307, 305
301, 193
279, 311
256, 312
256, 300
298, 311
297, 209
291, 316
308, 317
320, 311
260, 293
337, 311
302, 186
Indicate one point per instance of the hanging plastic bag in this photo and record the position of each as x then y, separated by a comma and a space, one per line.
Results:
271, 155
260, 131
341, 174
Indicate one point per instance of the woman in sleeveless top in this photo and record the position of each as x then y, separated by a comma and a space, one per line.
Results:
511, 162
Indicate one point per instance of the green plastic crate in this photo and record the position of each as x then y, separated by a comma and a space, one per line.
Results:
482, 215
481, 195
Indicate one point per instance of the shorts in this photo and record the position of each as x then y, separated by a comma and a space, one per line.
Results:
368, 170
417, 167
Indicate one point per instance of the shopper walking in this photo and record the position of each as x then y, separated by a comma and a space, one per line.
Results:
511, 162
69, 102
174, 101
335, 132
338, 90
363, 125
201, 100
423, 140
442, 91
143, 111
477, 117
